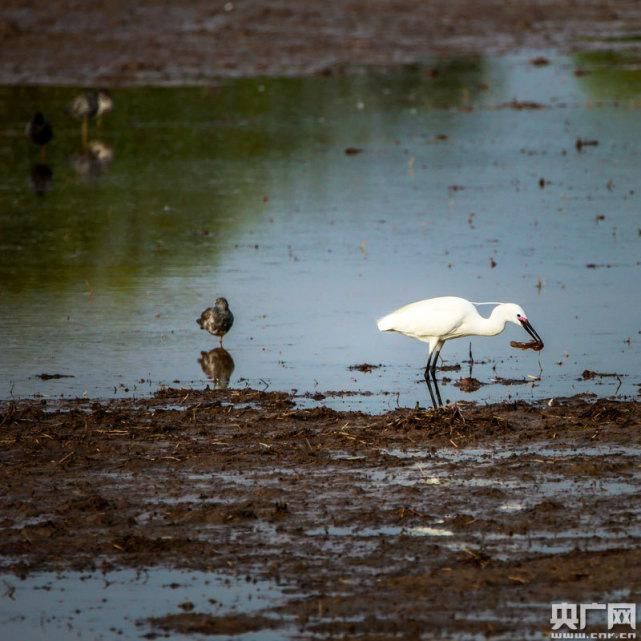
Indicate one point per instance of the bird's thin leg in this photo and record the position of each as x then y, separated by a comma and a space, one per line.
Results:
435, 356
429, 363
220, 340
430, 377
471, 361
436, 399
428, 381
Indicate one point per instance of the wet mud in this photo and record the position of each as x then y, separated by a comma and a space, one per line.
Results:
470, 520
114, 43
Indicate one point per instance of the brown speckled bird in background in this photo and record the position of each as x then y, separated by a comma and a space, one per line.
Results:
91, 104
217, 320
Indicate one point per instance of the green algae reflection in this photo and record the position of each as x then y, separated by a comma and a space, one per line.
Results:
191, 167
610, 75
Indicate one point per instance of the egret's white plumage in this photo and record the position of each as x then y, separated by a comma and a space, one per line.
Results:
437, 320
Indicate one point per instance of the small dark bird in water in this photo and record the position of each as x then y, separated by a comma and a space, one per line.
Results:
217, 320
40, 132
91, 104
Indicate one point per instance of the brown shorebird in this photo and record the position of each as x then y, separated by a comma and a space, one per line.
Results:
91, 104
217, 320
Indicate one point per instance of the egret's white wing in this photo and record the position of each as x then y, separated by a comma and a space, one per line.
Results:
437, 317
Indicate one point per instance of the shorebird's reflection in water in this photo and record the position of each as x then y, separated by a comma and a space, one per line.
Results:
40, 132
41, 178
218, 365
93, 160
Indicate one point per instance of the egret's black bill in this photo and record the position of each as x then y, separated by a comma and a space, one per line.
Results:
531, 331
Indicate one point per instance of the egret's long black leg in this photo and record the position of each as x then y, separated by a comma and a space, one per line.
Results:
429, 364
435, 405
436, 398
435, 356
427, 375
437, 353
430, 376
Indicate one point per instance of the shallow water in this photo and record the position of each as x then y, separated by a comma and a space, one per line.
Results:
117, 604
245, 190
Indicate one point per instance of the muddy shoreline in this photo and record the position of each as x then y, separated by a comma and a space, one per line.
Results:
372, 521
115, 43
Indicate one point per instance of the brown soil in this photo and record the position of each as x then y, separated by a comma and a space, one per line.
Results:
426, 517
188, 623
116, 42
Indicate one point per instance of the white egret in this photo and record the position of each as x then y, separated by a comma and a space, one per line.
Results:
437, 320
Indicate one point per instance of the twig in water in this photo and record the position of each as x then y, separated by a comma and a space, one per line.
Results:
10, 590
